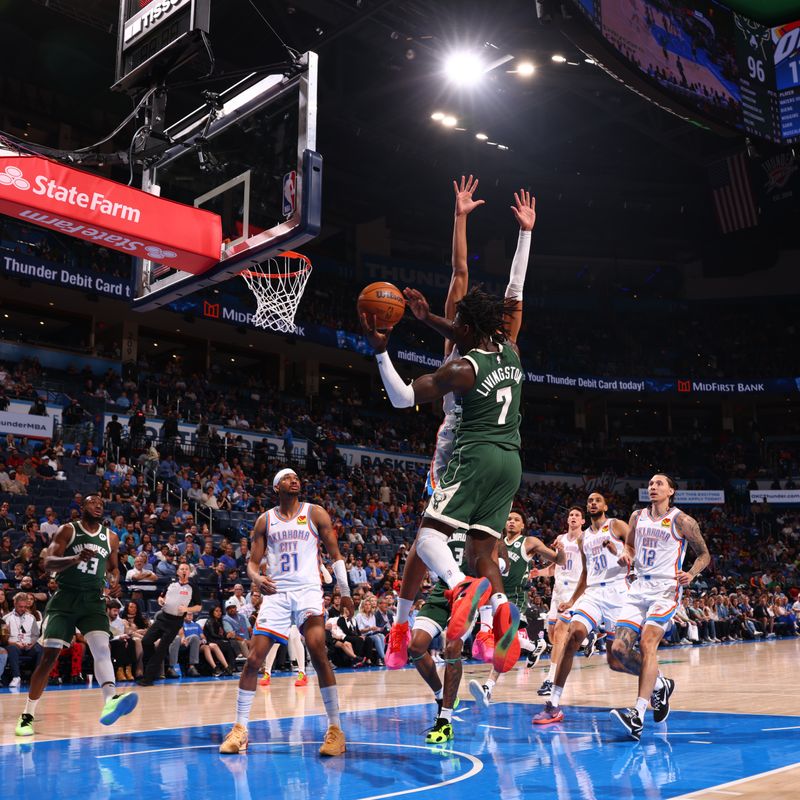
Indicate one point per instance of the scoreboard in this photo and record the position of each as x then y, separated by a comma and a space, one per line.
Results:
702, 54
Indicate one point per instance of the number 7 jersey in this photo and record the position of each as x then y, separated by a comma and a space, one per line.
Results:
292, 549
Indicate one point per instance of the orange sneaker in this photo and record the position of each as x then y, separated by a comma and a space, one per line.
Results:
483, 647
506, 648
465, 599
397, 650
302, 679
266, 680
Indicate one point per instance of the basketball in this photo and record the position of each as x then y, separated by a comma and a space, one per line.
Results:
383, 300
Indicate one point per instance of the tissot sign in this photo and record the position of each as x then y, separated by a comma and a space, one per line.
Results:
66, 200
151, 15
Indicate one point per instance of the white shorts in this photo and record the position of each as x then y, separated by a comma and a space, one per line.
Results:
280, 611
601, 604
651, 602
562, 593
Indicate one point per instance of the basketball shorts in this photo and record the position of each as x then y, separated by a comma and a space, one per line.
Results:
601, 604
433, 617
651, 602
562, 593
445, 439
67, 610
477, 488
280, 611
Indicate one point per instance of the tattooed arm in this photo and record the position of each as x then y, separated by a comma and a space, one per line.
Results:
688, 528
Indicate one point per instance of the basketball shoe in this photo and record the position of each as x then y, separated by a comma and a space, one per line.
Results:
548, 715
506, 643
397, 649
483, 646
659, 700
118, 706
545, 689
465, 599
236, 740
302, 679
24, 725
481, 693
441, 732
630, 720
266, 680
334, 744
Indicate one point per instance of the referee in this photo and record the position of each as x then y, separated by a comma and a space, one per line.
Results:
179, 598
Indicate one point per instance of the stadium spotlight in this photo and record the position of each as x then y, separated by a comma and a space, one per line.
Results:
525, 69
449, 121
558, 58
464, 68
437, 116
482, 136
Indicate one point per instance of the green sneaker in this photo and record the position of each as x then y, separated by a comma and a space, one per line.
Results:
24, 725
118, 706
440, 733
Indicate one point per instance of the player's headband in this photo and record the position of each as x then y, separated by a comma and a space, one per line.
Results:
279, 476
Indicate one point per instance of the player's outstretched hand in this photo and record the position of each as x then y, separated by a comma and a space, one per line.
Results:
464, 191
379, 340
347, 602
524, 210
417, 303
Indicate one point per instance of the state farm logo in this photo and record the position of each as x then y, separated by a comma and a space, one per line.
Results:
157, 254
12, 176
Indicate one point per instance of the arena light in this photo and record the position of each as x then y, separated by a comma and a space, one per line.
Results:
437, 116
589, 61
450, 121
558, 58
525, 69
482, 136
464, 68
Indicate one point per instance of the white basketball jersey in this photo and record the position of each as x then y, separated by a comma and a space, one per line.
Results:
573, 566
659, 549
292, 550
601, 564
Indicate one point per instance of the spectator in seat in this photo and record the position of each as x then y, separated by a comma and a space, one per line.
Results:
140, 573
360, 645
51, 526
207, 558
114, 435
6, 518
236, 628
23, 637
358, 575
167, 568
14, 485
215, 634
190, 637
228, 558
368, 627
123, 647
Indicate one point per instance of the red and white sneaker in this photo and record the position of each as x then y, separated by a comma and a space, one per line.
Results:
483, 647
506, 643
397, 648
302, 679
465, 600
548, 715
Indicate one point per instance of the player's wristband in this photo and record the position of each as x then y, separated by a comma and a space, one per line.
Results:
340, 573
401, 394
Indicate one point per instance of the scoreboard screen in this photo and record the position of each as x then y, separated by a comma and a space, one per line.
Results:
702, 54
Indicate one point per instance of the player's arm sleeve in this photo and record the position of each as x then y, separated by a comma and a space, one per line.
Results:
519, 267
401, 394
340, 573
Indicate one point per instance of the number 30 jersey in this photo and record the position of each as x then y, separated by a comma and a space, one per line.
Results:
659, 548
292, 550
602, 565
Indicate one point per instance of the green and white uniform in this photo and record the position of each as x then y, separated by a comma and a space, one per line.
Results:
517, 569
435, 614
79, 602
483, 474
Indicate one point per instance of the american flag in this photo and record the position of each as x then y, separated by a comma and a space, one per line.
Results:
733, 195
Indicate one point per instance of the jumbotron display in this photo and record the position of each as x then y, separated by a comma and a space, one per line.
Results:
724, 65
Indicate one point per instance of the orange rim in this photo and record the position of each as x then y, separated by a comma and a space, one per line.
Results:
249, 273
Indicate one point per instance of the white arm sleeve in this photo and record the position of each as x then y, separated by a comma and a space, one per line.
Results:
401, 394
519, 266
341, 578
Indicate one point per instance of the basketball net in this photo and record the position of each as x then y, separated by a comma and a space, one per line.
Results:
278, 286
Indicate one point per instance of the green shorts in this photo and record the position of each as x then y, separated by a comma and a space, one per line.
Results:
68, 610
477, 488
436, 610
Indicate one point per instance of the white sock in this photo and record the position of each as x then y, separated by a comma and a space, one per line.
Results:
641, 706
486, 617
330, 697
103, 666
551, 673
446, 714
489, 684
403, 610
30, 707
433, 550
555, 695
497, 600
297, 650
244, 702
439, 695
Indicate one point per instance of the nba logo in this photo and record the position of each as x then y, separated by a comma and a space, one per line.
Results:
289, 193
684, 386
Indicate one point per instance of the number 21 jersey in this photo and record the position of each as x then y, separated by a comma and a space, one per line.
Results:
292, 550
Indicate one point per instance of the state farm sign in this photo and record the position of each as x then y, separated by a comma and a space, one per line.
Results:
67, 200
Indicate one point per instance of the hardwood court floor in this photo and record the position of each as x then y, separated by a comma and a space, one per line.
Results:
734, 731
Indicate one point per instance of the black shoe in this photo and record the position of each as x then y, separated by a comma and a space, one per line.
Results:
54, 681
217, 672
144, 681
630, 720
192, 671
659, 700
545, 689
171, 673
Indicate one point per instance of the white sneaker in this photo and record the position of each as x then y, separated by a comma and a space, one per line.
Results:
15, 683
481, 694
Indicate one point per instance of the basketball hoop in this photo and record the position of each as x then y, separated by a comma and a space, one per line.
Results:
278, 287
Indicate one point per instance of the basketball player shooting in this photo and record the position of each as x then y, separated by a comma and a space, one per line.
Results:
485, 451
289, 535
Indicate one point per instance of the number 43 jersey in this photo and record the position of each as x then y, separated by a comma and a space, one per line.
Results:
602, 565
292, 549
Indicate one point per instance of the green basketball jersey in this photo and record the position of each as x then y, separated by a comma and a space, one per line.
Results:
490, 410
518, 568
86, 576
